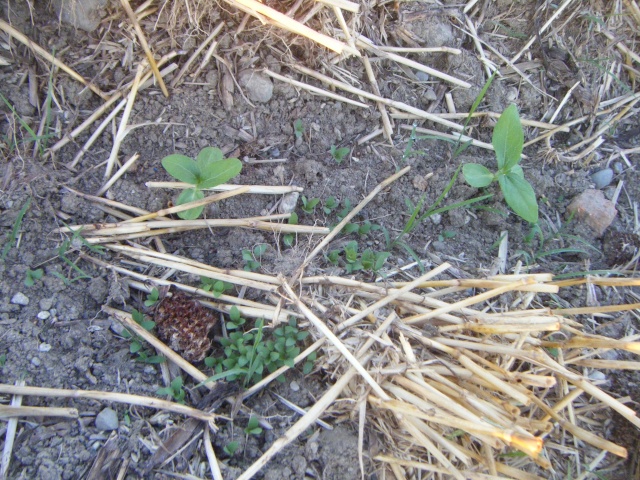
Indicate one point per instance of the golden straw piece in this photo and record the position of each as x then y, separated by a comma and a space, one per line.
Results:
50, 58
145, 46
16, 412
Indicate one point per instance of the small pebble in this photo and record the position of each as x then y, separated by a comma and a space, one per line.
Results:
45, 303
43, 315
294, 386
602, 178
618, 168
422, 76
35, 361
288, 203
107, 419
20, 299
44, 347
597, 375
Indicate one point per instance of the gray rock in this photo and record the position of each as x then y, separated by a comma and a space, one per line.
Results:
594, 210
602, 178
258, 87
20, 299
43, 315
83, 14
107, 419
46, 303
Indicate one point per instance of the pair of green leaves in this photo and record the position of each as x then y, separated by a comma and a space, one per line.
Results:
208, 170
507, 141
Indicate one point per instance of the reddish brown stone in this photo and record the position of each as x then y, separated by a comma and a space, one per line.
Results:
593, 209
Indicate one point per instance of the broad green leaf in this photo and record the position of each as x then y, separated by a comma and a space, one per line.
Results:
190, 195
181, 168
477, 176
508, 139
207, 156
219, 172
517, 169
520, 196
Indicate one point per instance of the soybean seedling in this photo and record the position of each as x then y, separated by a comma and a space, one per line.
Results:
508, 141
330, 205
208, 170
253, 426
339, 154
137, 346
289, 238
216, 287
298, 129
231, 448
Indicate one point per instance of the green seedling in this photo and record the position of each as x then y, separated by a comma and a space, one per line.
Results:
175, 390
253, 426
216, 287
298, 128
507, 141
33, 137
446, 235
152, 297
345, 210
368, 260
231, 448
208, 170
249, 353
309, 205
289, 238
330, 205
137, 345
417, 215
76, 241
33, 275
362, 229
16, 228
3, 359
339, 154
252, 258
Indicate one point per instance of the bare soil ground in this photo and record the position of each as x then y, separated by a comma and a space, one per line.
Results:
55, 334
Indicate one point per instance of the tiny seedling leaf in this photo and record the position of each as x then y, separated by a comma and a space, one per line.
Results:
477, 176
181, 168
508, 139
519, 195
207, 156
219, 172
190, 195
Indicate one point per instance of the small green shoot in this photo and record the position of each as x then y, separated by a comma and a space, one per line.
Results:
345, 210
368, 260
33, 275
508, 141
252, 258
216, 287
33, 137
231, 448
175, 390
3, 359
330, 205
289, 238
76, 241
208, 170
309, 205
298, 129
137, 346
249, 353
253, 426
152, 297
339, 154
16, 228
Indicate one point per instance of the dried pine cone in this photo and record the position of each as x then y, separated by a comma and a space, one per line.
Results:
185, 325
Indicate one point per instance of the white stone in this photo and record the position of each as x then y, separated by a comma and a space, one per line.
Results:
44, 347
294, 386
20, 299
43, 315
107, 419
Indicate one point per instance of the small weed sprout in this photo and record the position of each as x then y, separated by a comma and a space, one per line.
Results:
339, 154
330, 205
253, 426
137, 347
152, 297
369, 260
252, 258
216, 287
175, 390
508, 141
208, 170
76, 241
298, 129
16, 228
3, 359
249, 353
32, 276
309, 205
289, 238
231, 448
